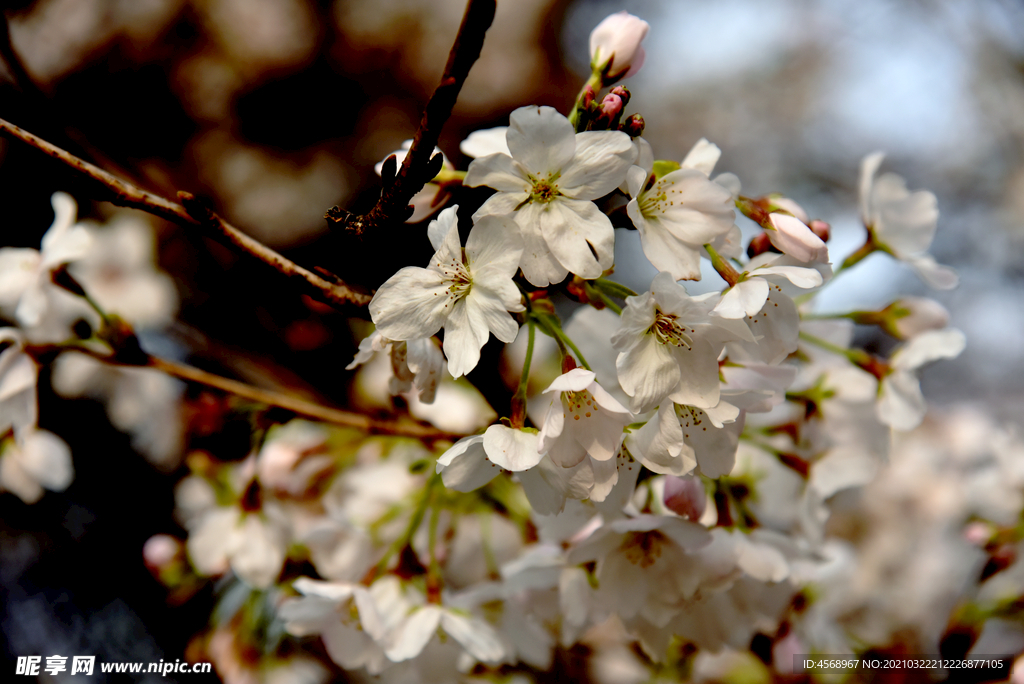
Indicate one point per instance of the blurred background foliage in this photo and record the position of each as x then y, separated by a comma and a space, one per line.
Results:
275, 110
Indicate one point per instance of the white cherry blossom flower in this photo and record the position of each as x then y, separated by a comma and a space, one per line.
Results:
900, 402
346, 618
748, 297
582, 420
668, 347
30, 459
18, 379
119, 272
474, 461
474, 634
414, 364
680, 438
470, 296
901, 222
548, 184
249, 533
680, 212
26, 289
252, 543
615, 50
33, 461
644, 564
143, 402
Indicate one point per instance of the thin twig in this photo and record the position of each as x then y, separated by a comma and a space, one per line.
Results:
194, 214
419, 166
290, 403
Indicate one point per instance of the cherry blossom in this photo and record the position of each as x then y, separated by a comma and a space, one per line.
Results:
582, 420
680, 212
470, 296
901, 222
26, 288
414, 364
900, 402
548, 184
668, 347
30, 459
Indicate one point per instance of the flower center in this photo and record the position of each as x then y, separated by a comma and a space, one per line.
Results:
544, 189
667, 330
457, 279
579, 404
655, 201
643, 548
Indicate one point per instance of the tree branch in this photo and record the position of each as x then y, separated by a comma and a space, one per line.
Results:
419, 166
300, 406
195, 215
398, 428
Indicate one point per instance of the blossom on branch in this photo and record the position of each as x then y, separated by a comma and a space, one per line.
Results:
469, 295
680, 212
548, 185
901, 222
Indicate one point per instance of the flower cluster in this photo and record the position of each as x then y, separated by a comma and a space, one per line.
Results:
656, 468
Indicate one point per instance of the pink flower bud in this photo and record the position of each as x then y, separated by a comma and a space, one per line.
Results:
793, 237
685, 496
759, 245
159, 550
615, 50
611, 110
786, 204
633, 125
821, 228
623, 93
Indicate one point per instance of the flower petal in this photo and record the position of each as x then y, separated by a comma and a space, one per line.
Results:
412, 304
511, 449
497, 171
599, 166
541, 139
579, 235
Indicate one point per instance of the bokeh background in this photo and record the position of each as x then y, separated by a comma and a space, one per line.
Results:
275, 110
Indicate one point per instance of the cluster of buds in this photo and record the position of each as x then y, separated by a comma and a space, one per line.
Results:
607, 114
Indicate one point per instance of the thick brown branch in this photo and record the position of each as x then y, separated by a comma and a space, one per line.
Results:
194, 214
419, 166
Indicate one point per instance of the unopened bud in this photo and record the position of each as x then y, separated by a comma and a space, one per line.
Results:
685, 496
820, 228
978, 533
568, 363
1002, 557
589, 95
615, 50
160, 551
759, 245
622, 93
609, 113
788, 205
633, 126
